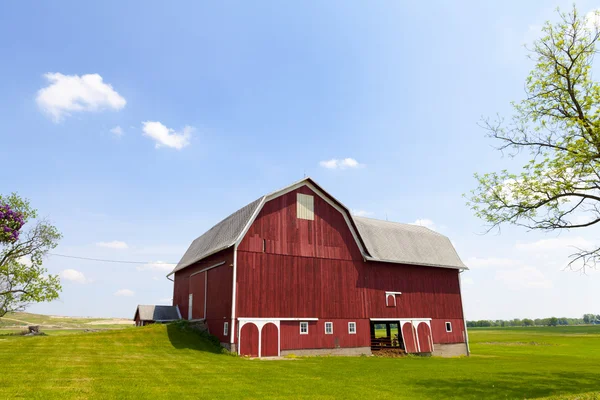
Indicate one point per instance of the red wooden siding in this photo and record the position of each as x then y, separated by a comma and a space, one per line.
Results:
197, 284
424, 337
408, 334
291, 339
218, 293
249, 340
438, 326
269, 341
327, 236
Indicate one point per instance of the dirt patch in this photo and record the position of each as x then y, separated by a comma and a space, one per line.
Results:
389, 353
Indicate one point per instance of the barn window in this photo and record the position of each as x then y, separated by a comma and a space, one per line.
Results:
329, 328
305, 206
390, 300
352, 328
304, 328
448, 326
226, 329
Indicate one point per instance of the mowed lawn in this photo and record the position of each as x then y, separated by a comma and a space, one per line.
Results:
163, 361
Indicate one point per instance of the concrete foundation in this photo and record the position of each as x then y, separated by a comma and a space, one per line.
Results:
346, 351
449, 350
229, 346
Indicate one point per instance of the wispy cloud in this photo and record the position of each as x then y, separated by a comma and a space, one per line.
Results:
115, 244
164, 136
124, 293
157, 266
362, 213
523, 278
560, 243
117, 131
427, 223
493, 262
75, 276
73, 93
341, 163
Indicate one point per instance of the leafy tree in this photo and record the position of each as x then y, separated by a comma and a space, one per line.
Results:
23, 280
553, 321
558, 125
527, 322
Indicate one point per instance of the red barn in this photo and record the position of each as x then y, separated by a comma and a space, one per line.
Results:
295, 272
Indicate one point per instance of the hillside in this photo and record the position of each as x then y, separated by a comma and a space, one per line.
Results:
169, 361
19, 320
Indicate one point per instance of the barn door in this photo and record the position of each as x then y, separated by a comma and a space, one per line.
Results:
408, 334
249, 340
269, 341
198, 289
424, 335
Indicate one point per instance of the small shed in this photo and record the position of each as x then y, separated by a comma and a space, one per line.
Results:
150, 314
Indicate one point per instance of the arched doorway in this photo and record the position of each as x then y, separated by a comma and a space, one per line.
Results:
269, 346
249, 340
408, 334
424, 335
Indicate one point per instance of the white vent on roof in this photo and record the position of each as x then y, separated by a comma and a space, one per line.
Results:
305, 207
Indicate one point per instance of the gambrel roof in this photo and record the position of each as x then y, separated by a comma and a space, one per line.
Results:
378, 240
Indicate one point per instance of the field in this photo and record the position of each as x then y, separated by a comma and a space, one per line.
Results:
49, 323
169, 361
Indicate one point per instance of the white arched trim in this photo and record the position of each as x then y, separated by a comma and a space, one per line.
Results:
415, 322
260, 323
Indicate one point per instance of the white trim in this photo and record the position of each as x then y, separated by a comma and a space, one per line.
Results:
466, 332
394, 293
190, 305
205, 290
233, 290
401, 319
353, 323
178, 312
250, 319
448, 323
300, 326
207, 268
259, 323
330, 324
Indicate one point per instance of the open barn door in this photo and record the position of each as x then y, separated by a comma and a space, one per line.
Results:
409, 337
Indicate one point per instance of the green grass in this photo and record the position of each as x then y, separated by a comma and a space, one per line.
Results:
166, 361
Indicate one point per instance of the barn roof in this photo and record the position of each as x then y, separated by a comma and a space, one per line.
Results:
158, 313
378, 240
407, 244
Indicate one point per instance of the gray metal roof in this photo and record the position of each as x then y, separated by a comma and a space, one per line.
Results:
219, 237
384, 241
406, 244
158, 313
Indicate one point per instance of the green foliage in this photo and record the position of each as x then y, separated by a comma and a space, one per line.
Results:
552, 321
23, 280
558, 124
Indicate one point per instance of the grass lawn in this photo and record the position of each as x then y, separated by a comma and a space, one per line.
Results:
165, 361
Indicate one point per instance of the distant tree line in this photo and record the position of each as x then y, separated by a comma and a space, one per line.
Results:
552, 321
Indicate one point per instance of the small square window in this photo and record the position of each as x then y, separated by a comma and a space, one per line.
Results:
329, 328
352, 328
226, 329
448, 326
304, 328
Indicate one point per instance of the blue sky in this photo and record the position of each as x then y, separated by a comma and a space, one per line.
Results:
135, 127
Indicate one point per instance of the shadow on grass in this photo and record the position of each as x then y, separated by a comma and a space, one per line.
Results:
512, 385
182, 336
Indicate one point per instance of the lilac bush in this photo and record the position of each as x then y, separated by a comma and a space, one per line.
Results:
10, 224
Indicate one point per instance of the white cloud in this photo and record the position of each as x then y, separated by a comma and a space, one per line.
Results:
74, 93
164, 136
523, 278
362, 213
25, 260
341, 164
592, 20
492, 262
124, 293
467, 281
117, 131
157, 266
115, 244
427, 223
167, 300
560, 243
74, 276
